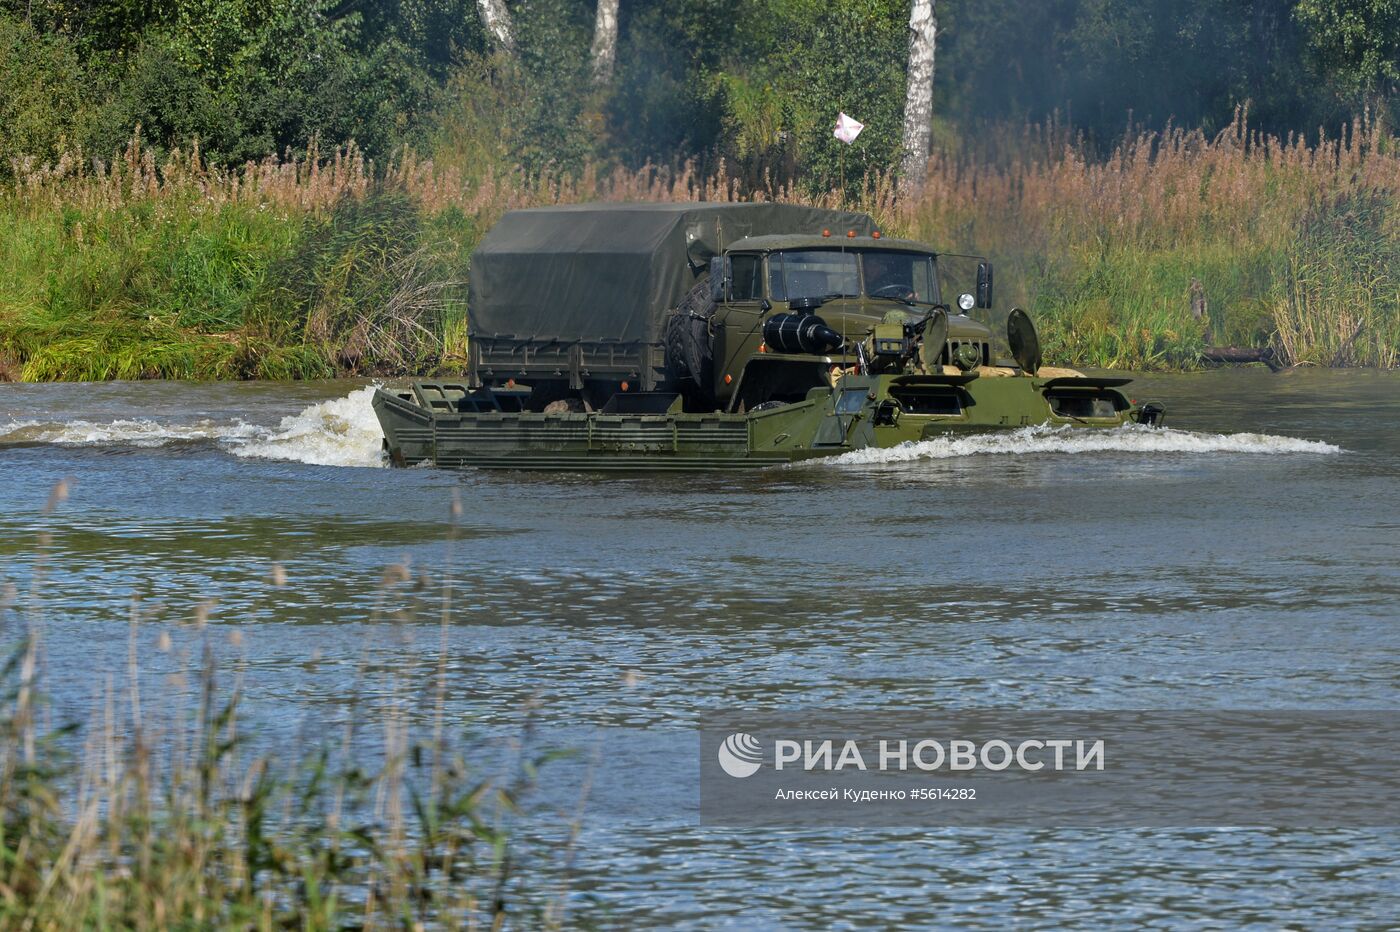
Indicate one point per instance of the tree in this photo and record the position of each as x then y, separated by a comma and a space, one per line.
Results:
918, 97
44, 105
790, 66
1356, 42
496, 18
604, 52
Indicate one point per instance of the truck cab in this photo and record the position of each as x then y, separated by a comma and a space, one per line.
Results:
855, 286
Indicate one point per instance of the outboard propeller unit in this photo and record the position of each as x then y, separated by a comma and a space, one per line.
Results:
1151, 414
800, 333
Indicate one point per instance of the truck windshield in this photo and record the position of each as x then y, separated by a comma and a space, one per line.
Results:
821, 273
904, 276
812, 273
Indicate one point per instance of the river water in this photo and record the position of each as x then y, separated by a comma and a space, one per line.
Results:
1247, 558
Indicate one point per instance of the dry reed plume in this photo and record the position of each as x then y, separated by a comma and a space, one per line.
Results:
1153, 188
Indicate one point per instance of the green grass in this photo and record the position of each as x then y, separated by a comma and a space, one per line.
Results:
1328, 294
152, 289
1293, 245
1340, 302
1131, 308
177, 288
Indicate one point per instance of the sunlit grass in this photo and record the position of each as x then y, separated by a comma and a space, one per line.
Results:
1130, 308
1104, 252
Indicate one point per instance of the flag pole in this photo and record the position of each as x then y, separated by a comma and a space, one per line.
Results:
842, 160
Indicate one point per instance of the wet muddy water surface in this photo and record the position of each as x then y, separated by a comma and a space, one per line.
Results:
1247, 558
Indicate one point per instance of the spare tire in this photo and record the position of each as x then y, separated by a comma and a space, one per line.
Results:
698, 299
689, 342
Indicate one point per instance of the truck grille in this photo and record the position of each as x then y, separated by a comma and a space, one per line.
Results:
984, 351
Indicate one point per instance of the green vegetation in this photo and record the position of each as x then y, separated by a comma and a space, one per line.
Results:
1289, 246
281, 271
169, 206
755, 82
312, 267
1341, 306
165, 810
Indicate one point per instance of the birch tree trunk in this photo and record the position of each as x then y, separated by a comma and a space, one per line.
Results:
605, 42
496, 18
918, 98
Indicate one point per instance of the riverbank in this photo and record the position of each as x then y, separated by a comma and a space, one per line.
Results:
1178, 242
328, 265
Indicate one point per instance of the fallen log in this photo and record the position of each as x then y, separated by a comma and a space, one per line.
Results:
1240, 355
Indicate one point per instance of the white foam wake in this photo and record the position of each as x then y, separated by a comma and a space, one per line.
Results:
337, 432
345, 432
1067, 440
126, 432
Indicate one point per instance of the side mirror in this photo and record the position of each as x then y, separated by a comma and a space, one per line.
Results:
984, 284
721, 278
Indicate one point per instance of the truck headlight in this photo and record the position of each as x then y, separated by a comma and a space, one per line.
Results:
966, 301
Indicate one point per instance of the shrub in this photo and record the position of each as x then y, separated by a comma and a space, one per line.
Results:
167, 810
43, 98
363, 286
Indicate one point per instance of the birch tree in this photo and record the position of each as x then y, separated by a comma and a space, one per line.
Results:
918, 98
496, 18
604, 49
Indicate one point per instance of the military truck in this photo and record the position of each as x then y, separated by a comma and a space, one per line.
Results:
700, 335
576, 301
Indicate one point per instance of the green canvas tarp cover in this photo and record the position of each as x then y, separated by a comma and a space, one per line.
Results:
592, 272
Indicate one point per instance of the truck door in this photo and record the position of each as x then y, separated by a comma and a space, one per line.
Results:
741, 321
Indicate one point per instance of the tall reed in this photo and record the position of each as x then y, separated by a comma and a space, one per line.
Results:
163, 810
1103, 251
1341, 306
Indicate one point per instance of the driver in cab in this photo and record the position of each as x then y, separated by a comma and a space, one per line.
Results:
889, 277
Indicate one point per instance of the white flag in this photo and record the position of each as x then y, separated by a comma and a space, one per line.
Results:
847, 129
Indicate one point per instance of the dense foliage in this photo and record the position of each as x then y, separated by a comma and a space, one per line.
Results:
313, 267
243, 78
754, 81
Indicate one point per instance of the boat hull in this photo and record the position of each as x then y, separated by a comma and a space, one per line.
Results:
452, 426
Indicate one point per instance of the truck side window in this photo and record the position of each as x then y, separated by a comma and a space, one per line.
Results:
747, 284
924, 281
